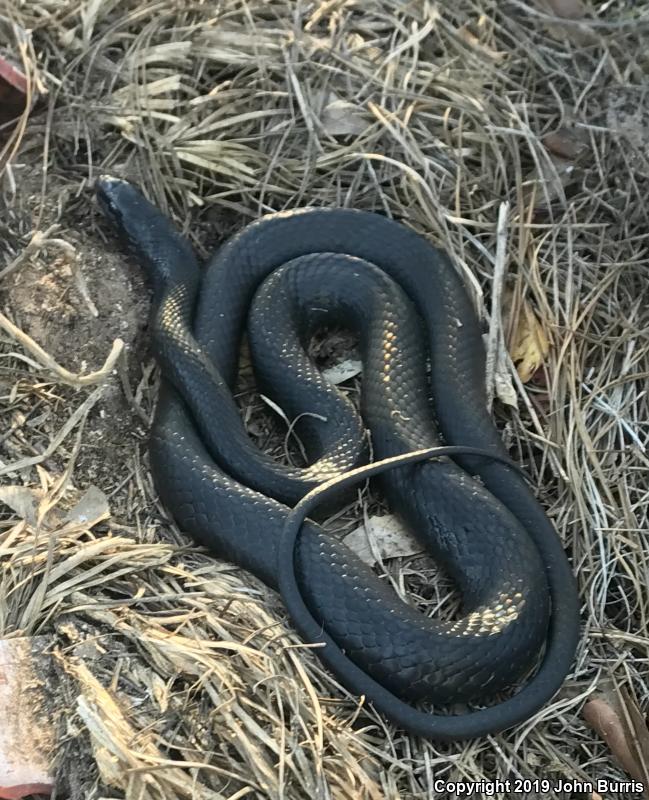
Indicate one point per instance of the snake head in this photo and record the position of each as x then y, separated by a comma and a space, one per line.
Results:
121, 203
166, 255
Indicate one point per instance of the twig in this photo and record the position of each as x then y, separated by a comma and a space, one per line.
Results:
76, 417
38, 241
46, 360
495, 340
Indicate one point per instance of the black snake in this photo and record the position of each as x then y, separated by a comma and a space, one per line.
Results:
296, 272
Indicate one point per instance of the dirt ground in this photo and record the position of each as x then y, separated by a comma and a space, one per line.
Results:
179, 675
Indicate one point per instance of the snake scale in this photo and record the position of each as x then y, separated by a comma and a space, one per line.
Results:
287, 275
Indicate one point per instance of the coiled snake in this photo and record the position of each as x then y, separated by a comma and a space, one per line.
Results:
297, 271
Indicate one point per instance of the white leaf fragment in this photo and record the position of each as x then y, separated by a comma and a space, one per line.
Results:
91, 508
382, 537
339, 373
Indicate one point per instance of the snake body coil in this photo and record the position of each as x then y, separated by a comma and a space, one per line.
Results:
296, 272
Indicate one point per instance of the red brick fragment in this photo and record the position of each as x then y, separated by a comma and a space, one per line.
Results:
13, 90
26, 728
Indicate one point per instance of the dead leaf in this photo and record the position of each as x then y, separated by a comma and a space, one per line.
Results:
624, 730
566, 9
349, 368
383, 536
339, 117
575, 10
529, 344
564, 143
92, 508
604, 720
23, 501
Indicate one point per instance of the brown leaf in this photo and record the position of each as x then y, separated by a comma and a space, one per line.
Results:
23, 500
623, 730
605, 721
529, 345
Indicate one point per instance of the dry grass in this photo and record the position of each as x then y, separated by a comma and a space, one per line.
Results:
183, 679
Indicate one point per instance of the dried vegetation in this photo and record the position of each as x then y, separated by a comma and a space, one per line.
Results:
514, 139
